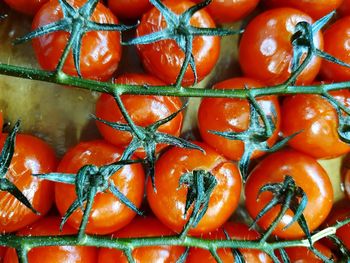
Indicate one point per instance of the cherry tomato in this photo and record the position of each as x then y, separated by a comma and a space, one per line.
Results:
236, 231
53, 254
315, 8
164, 58
32, 156
143, 227
227, 11
307, 174
144, 110
304, 255
336, 43
28, 7
127, 9
317, 121
108, 214
100, 50
344, 9
223, 114
168, 202
265, 50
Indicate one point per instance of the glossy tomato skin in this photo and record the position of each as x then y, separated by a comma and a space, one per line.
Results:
143, 227
164, 58
32, 156
126, 9
222, 114
53, 254
265, 50
307, 174
316, 120
344, 9
100, 50
28, 7
336, 41
143, 110
304, 255
168, 202
108, 214
236, 231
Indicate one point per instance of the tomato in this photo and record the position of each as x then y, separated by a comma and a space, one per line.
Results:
346, 179
336, 41
168, 202
344, 9
144, 111
127, 9
315, 8
108, 214
265, 50
164, 58
236, 231
54, 254
307, 174
32, 156
100, 50
317, 120
227, 11
304, 255
222, 114
28, 7
143, 227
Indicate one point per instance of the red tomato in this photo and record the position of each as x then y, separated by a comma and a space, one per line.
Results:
143, 227
164, 58
28, 7
100, 50
236, 231
127, 9
304, 255
336, 43
317, 120
307, 174
144, 110
344, 9
223, 114
168, 202
315, 8
265, 50
108, 214
55, 254
32, 156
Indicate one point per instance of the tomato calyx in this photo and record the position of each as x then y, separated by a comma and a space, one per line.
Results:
344, 251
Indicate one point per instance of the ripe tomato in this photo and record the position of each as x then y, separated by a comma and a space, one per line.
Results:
315, 8
100, 50
31, 156
265, 50
143, 227
317, 120
304, 255
144, 110
307, 174
344, 9
223, 114
55, 254
236, 231
28, 7
168, 202
164, 58
127, 9
336, 43
108, 214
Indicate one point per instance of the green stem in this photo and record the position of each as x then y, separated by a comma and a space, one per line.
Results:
87, 210
22, 255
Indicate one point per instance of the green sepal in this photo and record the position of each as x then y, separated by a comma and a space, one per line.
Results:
183, 257
344, 251
284, 255
237, 255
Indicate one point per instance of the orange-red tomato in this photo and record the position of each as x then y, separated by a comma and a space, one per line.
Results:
143, 227
236, 231
168, 202
265, 50
28, 7
127, 9
108, 214
53, 254
233, 115
164, 58
143, 110
307, 174
344, 9
304, 255
100, 50
32, 156
316, 120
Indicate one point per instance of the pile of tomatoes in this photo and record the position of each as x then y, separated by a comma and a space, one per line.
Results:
265, 58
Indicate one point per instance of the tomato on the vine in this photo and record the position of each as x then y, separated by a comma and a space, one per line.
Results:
307, 174
233, 115
28, 7
126, 9
108, 213
305, 255
344, 9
